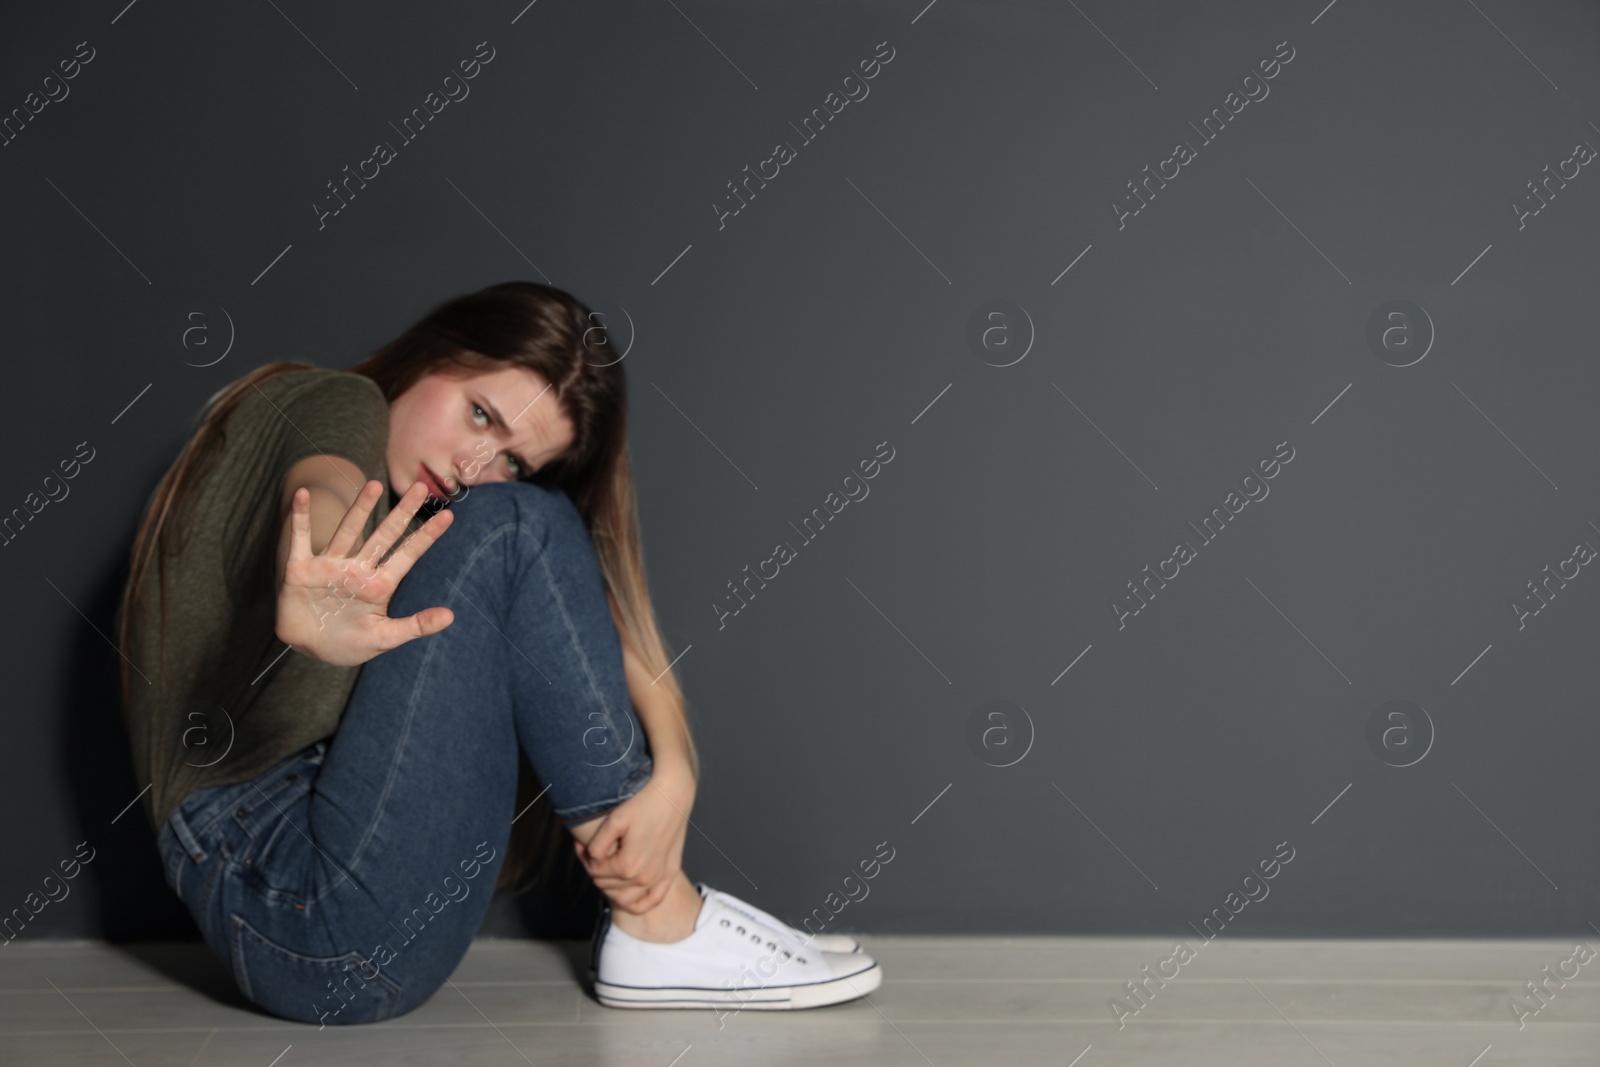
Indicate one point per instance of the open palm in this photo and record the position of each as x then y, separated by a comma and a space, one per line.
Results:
333, 605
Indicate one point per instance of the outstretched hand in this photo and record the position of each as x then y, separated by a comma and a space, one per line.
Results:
333, 604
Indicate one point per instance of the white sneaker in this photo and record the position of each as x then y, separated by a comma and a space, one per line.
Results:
732, 959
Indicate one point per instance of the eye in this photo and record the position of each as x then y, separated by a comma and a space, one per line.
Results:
512, 463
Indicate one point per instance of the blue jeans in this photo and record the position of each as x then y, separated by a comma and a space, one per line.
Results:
346, 883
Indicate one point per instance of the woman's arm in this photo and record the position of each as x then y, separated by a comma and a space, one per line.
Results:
664, 724
659, 712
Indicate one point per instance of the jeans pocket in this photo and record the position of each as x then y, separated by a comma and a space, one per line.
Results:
262, 808
209, 811
347, 988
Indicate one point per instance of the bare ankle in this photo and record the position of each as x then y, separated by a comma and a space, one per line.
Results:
671, 920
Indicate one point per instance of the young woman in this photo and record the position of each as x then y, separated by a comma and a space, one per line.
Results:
366, 611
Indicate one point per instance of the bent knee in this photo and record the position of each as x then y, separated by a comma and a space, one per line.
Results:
547, 511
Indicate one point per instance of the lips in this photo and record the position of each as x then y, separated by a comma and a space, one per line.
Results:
428, 479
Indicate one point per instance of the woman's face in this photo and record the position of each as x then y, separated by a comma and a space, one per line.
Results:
450, 430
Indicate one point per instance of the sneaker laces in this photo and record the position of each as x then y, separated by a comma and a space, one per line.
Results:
750, 911
755, 931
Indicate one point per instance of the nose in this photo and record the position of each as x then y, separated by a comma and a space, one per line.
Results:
470, 467
463, 470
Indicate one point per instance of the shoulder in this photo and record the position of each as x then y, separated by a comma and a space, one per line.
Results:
314, 386
318, 401
304, 411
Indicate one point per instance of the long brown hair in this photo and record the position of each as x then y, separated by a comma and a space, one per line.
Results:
512, 324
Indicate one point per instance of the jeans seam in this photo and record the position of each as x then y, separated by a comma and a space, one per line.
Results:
187, 842
582, 654
240, 929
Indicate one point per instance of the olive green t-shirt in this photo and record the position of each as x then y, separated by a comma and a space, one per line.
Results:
226, 699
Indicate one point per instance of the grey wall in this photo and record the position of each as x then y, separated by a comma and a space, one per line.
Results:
1141, 765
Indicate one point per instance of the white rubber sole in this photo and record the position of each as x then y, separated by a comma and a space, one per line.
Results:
770, 998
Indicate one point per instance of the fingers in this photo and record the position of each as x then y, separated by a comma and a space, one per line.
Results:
418, 543
300, 525
607, 867
614, 879
432, 620
355, 518
394, 523
647, 899
604, 841
609, 876
397, 632
624, 869
654, 895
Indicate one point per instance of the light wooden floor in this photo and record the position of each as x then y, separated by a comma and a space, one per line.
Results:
944, 1001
